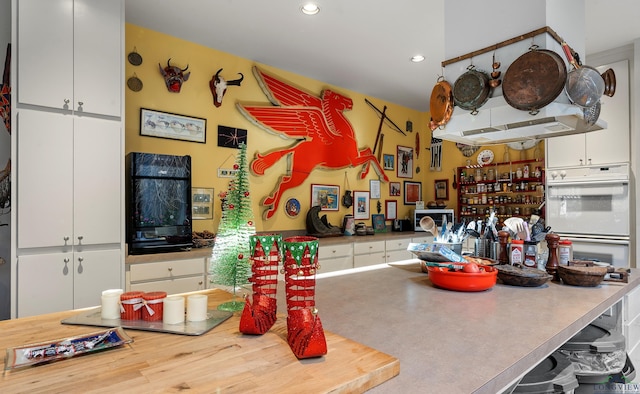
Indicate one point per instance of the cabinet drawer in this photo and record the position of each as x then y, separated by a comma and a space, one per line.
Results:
332, 251
399, 255
397, 244
364, 260
165, 269
172, 286
368, 247
422, 240
337, 264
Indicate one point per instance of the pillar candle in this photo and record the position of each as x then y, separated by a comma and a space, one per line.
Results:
111, 303
197, 307
173, 310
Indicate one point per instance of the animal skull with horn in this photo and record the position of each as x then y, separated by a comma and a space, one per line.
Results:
218, 86
174, 76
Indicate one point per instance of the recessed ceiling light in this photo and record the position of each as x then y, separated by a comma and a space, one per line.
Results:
310, 9
417, 58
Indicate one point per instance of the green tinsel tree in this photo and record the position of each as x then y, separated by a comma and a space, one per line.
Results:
230, 265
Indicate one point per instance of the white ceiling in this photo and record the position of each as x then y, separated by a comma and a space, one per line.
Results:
360, 45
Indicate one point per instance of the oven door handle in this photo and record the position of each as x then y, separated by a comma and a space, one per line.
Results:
607, 182
609, 241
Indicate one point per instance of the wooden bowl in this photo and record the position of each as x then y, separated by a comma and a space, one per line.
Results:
581, 276
463, 281
522, 276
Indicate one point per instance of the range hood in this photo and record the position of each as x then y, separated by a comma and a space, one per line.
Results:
497, 122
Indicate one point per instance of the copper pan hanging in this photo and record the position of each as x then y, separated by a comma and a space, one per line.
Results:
471, 90
441, 104
609, 77
534, 80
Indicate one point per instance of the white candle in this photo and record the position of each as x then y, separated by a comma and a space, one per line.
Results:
173, 310
111, 304
197, 307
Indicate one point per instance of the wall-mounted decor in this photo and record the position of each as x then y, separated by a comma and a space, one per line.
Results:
361, 205
391, 209
374, 188
218, 86
441, 187
394, 189
436, 154
321, 135
201, 203
292, 207
412, 192
388, 162
378, 224
174, 76
404, 168
325, 196
231, 137
173, 126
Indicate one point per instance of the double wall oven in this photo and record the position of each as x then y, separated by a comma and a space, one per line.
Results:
590, 206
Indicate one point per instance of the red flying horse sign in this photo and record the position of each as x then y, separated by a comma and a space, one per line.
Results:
324, 137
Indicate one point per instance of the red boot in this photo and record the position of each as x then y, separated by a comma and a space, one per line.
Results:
260, 315
304, 328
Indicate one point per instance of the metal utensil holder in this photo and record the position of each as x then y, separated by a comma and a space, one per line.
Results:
481, 247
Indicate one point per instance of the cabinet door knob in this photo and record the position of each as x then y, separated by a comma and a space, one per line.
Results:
80, 259
66, 101
80, 238
200, 283
170, 269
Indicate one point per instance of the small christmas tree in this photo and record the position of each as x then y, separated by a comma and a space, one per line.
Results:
230, 265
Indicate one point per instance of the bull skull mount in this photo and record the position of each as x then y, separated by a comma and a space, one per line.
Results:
174, 76
218, 86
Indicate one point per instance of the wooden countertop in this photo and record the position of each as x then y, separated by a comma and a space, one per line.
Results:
222, 360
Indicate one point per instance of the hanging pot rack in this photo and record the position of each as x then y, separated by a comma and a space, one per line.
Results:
505, 43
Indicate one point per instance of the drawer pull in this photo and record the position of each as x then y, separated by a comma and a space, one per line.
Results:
170, 269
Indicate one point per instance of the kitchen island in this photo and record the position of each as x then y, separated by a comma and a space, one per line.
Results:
443, 341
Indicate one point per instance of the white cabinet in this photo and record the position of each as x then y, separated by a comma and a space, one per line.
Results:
631, 324
69, 180
368, 253
598, 147
396, 249
176, 276
70, 54
52, 282
335, 257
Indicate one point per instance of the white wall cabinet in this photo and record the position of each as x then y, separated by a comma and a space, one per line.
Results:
69, 148
607, 146
176, 276
53, 282
69, 175
70, 55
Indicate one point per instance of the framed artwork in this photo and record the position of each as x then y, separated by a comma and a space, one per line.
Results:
173, 126
441, 186
387, 162
378, 223
394, 189
404, 169
201, 203
374, 188
391, 209
325, 196
361, 205
412, 192
230, 137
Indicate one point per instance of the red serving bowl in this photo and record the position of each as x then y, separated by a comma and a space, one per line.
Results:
463, 281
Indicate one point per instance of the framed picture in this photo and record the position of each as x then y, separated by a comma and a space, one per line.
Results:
378, 223
173, 126
201, 203
394, 189
326, 196
387, 162
441, 186
360, 205
374, 188
404, 169
391, 209
412, 192
231, 137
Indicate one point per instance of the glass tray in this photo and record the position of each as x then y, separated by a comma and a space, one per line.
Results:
93, 317
43, 352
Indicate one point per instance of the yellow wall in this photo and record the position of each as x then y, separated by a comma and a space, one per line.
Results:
195, 99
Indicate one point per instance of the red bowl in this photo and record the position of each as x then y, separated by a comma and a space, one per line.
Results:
463, 281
